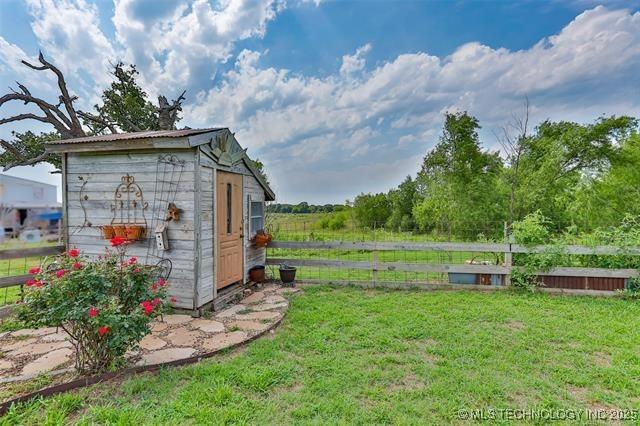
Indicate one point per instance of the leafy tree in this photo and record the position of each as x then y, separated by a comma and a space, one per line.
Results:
458, 182
607, 199
558, 158
372, 210
402, 200
30, 146
124, 104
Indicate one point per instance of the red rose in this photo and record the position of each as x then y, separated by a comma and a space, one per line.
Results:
117, 241
30, 282
60, 273
93, 312
173, 299
133, 260
154, 287
74, 252
103, 330
34, 270
161, 282
147, 306
137, 270
155, 302
77, 265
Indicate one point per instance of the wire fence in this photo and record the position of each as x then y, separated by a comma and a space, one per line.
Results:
14, 267
333, 262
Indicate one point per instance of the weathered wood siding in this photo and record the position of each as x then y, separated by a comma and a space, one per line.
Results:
103, 173
206, 276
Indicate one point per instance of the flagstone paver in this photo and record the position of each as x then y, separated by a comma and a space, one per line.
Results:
254, 298
183, 337
34, 332
151, 343
249, 325
5, 364
208, 326
157, 327
268, 306
17, 344
28, 352
231, 311
260, 315
177, 319
55, 337
224, 340
166, 355
275, 299
47, 362
42, 348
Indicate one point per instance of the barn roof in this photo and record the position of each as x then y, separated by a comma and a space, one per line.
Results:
149, 134
151, 139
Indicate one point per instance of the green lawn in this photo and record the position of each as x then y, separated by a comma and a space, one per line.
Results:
345, 356
17, 267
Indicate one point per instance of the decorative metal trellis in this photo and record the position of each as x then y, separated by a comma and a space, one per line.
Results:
169, 170
129, 204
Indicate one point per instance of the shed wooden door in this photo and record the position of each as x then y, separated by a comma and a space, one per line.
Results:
230, 237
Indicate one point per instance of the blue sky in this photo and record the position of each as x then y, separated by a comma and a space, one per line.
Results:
338, 97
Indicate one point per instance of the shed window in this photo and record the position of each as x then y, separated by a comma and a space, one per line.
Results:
256, 216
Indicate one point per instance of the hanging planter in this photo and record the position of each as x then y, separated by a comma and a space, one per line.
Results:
120, 231
107, 232
134, 232
261, 239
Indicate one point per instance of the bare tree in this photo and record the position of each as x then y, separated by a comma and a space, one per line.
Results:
64, 118
513, 139
168, 113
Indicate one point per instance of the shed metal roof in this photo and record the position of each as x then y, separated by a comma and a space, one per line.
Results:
137, 135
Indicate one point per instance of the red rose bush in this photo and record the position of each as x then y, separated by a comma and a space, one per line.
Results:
105, 305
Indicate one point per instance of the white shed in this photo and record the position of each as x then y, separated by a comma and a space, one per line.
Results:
136, 179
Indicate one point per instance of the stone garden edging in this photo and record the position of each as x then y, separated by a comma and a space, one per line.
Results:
91, 380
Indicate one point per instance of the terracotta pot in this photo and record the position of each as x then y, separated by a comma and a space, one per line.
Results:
120, 231
134, 232
256, 274
262, 240
107, 232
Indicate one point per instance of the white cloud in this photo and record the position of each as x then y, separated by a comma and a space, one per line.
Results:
185, 40
69, 32
400, 103
356, 62
336, 124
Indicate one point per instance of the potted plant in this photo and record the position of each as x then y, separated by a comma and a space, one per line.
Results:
262, 238
287, 274
134, 232
120, 231
256, 274
107, 232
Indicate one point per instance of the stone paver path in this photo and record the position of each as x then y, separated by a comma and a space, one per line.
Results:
27, 353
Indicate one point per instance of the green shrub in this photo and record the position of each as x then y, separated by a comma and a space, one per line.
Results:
105, 305
338, 221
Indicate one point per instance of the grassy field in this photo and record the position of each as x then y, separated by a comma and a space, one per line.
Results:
352, 356
17, 267
307, 227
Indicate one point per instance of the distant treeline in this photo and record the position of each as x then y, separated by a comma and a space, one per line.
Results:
304, 207
578, 177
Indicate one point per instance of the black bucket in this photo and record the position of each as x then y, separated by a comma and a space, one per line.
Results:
287, 274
